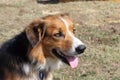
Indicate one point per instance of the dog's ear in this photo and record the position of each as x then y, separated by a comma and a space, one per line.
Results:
35, 31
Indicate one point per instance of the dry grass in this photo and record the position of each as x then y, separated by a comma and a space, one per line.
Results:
97, 23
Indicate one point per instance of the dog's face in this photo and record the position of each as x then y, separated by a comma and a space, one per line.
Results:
55, 37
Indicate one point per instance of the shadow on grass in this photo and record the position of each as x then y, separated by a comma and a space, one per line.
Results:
57, 1
47, 1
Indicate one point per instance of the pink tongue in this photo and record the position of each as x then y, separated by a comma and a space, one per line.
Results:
73, 61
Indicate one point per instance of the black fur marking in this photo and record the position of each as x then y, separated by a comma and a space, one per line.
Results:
13, 54
60, 55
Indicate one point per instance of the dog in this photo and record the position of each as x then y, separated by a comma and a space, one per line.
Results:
43, 46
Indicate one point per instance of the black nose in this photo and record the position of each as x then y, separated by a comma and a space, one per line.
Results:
80, 49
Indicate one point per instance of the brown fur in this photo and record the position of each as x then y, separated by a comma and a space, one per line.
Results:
39, 37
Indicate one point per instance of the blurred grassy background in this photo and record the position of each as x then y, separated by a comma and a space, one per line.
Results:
98, 26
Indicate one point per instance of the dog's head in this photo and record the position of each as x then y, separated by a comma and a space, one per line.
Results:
53, 37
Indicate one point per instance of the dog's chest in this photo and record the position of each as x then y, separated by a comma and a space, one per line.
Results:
33, 77
52, 64
31, 74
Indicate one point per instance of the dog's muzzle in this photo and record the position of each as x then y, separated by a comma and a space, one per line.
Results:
80, 49
71, 60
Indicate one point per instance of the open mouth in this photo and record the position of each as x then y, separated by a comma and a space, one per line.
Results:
70, 60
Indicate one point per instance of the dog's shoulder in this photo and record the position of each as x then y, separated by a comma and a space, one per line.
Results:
17, 44
13, 52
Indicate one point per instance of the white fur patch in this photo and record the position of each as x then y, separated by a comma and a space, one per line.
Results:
52, 64
76, 41
65, 22
26, 68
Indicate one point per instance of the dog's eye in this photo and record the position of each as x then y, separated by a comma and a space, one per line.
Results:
74, 30
60, 34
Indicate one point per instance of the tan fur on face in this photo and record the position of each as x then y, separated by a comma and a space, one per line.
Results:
35, 32
54, 25
32, 50
44, 43
37, 54
49, 33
